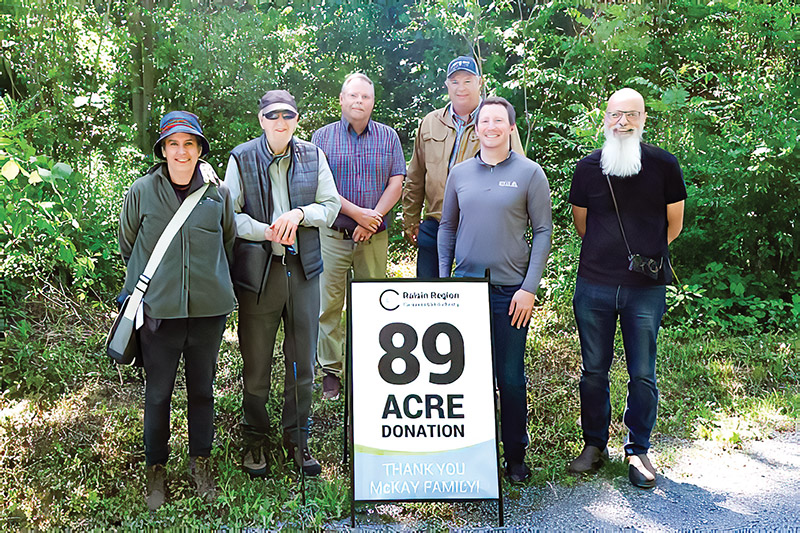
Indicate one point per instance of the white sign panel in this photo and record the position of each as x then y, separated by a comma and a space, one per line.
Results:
423, 391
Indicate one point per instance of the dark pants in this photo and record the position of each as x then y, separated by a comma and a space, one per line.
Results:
427, 251
163, 342
639, 310
291, 298
509, 368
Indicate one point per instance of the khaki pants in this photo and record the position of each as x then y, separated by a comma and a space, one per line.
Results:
368, 260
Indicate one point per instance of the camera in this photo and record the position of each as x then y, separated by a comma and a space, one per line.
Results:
645, 265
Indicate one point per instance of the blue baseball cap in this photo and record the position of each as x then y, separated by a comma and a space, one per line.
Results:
180, 122
465, 63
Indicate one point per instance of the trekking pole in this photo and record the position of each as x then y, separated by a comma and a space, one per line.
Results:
298, 444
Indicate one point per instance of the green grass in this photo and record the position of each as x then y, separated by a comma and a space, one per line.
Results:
71, 452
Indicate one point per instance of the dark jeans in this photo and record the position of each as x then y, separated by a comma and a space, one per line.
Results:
509, 368
639, 310
163, 342
291, 298
427, 251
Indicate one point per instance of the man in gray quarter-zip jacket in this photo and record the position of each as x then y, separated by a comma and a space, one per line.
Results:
283, 191
489, 201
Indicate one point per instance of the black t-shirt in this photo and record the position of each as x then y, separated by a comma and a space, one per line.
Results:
642, 201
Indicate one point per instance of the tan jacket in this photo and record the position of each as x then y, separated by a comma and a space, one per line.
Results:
427, 172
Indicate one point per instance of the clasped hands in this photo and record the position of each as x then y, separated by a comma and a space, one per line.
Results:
283, 230
368, 221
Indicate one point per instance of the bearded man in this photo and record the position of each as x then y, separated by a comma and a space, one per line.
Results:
627, 205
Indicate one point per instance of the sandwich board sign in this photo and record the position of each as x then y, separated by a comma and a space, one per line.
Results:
421, 391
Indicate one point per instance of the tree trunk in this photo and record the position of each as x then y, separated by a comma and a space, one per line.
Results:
142, 70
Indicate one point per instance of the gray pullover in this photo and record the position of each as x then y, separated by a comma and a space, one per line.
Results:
486, 212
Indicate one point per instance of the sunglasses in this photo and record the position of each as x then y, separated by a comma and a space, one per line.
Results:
274, 115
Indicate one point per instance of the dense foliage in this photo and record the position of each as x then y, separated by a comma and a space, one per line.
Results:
84, 82
720, 81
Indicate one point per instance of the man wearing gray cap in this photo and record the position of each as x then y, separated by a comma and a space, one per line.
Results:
282, 191
445, 137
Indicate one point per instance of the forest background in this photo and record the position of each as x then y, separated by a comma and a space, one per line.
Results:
83, 84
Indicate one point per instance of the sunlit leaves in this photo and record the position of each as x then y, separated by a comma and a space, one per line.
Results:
10, 170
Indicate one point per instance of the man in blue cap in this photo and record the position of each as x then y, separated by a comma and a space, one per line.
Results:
445, 138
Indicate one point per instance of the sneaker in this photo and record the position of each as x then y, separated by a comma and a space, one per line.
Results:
202, 473
590, 459
254, 462
641, 471
155, 490
331, 387
517, 472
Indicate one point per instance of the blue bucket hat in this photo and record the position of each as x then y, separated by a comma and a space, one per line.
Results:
180, 122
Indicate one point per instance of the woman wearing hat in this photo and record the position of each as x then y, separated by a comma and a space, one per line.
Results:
188, 298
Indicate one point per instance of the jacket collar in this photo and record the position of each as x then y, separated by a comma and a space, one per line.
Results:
445, 115
265, 152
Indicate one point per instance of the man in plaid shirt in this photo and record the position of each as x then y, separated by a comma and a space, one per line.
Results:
368, 166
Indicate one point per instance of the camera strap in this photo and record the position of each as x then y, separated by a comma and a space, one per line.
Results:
616, 209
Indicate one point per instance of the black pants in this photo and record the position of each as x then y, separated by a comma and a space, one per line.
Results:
163, 342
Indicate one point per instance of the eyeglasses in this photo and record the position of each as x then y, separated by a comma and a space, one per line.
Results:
616, 115
274, 115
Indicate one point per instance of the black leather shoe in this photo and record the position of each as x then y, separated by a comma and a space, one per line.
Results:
517, 472
590, 459
641, 472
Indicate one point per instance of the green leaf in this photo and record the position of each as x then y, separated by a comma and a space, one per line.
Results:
65, 254
62, 170
675, 96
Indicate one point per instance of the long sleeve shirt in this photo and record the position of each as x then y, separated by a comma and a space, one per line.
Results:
486, 211
321, 213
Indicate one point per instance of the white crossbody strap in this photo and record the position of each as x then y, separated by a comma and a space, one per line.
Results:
134, 307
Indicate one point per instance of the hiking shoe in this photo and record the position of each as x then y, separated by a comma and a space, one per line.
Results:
517, 472
590, 459
202, 474
302, 457
331, 387
254, 462
641, 471
155, 490
304, 460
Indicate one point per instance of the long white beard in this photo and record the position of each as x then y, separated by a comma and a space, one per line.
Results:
621, 156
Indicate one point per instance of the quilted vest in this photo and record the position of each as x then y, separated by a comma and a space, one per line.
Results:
253, 159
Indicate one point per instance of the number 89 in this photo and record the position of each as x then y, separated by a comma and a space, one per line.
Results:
455, 356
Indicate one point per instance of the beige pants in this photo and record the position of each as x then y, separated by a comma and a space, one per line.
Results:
368, 260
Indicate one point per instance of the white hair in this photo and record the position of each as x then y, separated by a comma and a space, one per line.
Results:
355, 76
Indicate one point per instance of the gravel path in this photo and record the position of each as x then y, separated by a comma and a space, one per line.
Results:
709, 485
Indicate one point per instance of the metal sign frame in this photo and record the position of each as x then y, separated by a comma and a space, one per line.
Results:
416, 342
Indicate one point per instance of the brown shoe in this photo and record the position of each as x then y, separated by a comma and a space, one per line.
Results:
155, 491
641, 471
331, 387
202, 474
590, 459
